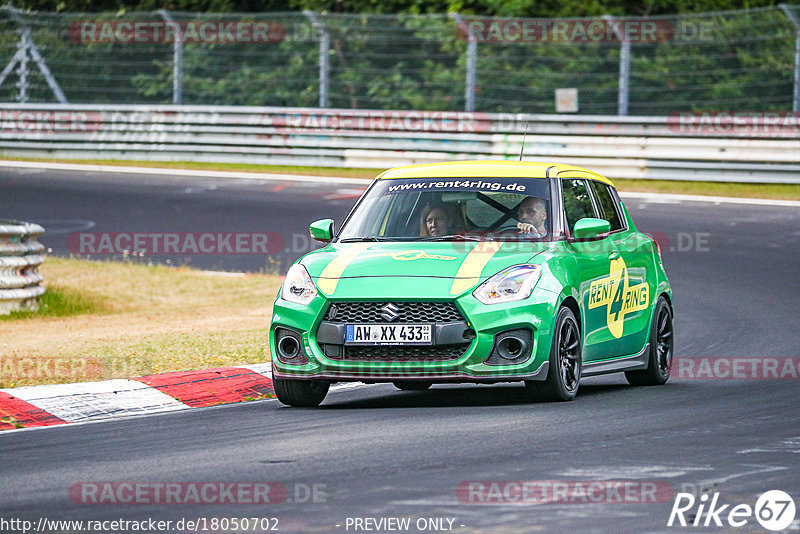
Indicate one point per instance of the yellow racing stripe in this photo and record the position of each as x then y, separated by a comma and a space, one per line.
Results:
329, 277
469, 273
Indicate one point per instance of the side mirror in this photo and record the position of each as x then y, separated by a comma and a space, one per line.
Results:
589, 227
322, 230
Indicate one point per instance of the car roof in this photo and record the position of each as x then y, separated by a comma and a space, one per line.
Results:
487, 169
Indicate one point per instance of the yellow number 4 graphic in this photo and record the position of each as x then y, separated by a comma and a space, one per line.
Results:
618, 296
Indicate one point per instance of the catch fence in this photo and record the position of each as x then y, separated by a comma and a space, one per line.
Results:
738, 60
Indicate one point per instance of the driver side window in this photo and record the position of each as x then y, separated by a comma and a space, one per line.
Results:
577, 202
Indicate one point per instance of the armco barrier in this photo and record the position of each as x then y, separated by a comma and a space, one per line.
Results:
20, 257
761, 149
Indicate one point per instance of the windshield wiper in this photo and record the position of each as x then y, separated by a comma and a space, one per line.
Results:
456, 237
449, 237
364, 238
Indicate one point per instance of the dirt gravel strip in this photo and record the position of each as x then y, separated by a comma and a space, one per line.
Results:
35, 406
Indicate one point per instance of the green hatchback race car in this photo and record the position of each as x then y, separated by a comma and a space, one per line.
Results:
475, 272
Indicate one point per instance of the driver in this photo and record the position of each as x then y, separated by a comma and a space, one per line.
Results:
532, 214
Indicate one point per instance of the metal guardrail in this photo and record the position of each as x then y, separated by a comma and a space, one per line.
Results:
760, 150
20, 258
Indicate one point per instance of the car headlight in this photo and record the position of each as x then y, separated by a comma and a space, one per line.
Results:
514, 283
298, 286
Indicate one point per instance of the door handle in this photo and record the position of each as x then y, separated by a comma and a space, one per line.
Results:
613, 256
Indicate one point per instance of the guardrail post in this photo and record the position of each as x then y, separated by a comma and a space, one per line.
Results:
469, 92
787, 10
324, 48
22, 70
472, 59
20, 257
177, 57
624, 66
27, 47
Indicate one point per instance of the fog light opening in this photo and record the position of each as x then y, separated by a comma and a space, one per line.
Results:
511, 347
289, 347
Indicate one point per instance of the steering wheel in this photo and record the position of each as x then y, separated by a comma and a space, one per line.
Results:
507, 228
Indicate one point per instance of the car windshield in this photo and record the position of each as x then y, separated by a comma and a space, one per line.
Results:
431, 209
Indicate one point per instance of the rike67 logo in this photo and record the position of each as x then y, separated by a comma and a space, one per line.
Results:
774, 510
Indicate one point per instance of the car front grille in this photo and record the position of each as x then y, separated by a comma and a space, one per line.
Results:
427, 353
408, 312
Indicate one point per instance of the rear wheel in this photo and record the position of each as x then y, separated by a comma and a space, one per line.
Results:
301, 393
412, 385
661, 346
566, 358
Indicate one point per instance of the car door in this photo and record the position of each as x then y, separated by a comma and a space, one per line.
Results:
598, 277
631, 307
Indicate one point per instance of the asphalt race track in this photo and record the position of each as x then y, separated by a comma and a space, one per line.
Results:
68, 203
375, 452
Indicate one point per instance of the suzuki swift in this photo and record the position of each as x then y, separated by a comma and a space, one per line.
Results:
475, 272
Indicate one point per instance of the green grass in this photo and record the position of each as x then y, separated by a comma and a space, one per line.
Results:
58, 302
345, 172
728, 189
162, 353
108, 319
721, 189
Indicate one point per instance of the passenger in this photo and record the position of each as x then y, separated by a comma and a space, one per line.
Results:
435, 220
532, 214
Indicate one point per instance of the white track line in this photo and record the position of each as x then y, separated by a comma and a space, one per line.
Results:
656, 197
183, 172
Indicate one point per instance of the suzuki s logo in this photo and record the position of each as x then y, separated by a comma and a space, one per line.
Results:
390, 312
332, 312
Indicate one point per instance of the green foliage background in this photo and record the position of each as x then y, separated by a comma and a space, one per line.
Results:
499, 8
408, 54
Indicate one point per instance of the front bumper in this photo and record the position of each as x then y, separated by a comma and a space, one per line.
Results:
474, 358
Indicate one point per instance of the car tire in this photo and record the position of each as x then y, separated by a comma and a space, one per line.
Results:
412, 385
659, 363
566, 362
300, 393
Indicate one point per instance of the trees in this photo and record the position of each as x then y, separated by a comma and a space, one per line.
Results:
500, 8
711, 61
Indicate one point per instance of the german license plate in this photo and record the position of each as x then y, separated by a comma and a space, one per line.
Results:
388, 334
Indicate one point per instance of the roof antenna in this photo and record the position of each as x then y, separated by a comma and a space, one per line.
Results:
522, 148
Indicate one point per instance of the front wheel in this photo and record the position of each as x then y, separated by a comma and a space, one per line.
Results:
566, 359
301, 393
661, 346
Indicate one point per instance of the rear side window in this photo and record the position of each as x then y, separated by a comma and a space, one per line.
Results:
606, 204
577, 202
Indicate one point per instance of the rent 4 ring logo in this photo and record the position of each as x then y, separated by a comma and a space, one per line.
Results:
618, 295
774, 510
